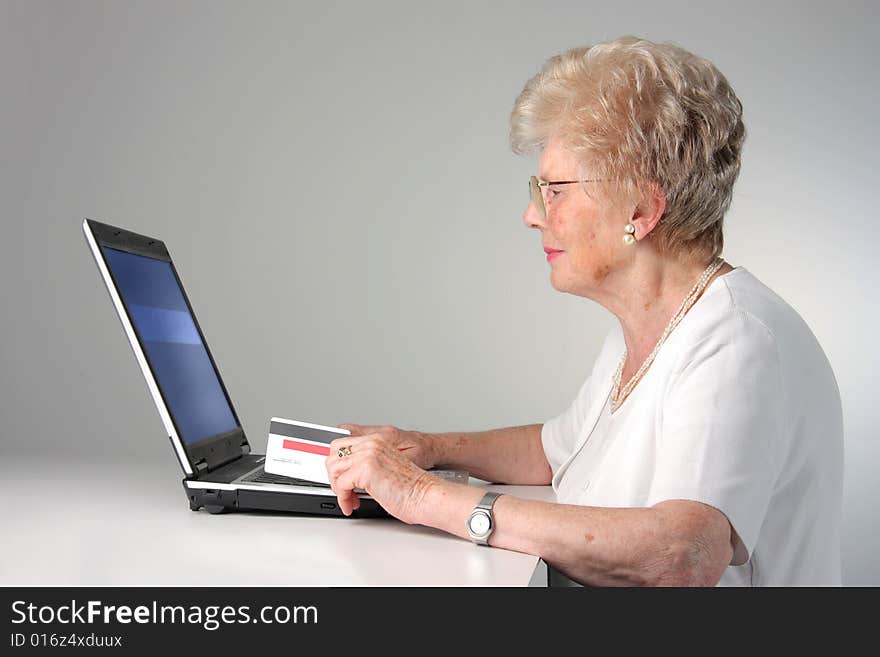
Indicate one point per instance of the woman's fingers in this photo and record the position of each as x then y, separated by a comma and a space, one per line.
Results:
344, 486
348, 501
343, 480
379, 468
344, 443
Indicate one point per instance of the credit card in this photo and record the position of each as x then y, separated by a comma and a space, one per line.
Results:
299, 449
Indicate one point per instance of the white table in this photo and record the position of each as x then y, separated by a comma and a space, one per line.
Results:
93, 524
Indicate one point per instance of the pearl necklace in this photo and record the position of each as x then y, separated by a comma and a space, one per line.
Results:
618, 396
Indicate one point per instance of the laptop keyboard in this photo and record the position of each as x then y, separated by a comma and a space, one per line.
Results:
263, 477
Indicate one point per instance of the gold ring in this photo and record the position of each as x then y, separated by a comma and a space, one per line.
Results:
343, 451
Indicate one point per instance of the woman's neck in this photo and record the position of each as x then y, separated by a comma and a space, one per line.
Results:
651, 294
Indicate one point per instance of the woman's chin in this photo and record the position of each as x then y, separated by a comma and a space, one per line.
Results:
558, 282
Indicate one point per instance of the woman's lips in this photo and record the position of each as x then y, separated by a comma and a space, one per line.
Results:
552, 253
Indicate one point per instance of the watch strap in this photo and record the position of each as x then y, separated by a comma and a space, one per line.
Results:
488, 501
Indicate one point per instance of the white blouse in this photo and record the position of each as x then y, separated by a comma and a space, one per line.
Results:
740, 410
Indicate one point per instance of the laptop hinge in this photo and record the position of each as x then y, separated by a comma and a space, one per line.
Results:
215, 452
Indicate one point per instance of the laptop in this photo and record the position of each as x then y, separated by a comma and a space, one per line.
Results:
220, 471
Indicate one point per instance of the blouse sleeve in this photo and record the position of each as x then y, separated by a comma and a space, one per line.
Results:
722, 435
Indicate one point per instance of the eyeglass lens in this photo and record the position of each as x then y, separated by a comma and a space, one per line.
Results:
537, 197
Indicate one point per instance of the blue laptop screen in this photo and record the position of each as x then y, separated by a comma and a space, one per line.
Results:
177, 356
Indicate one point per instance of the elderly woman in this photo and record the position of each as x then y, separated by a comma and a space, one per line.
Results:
706, 444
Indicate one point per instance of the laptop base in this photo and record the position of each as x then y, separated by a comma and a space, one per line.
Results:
215, 500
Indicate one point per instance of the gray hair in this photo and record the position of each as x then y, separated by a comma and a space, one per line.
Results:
634, 111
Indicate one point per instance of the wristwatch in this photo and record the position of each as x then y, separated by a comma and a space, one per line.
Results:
482, 522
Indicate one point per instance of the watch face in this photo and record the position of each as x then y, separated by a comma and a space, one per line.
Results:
479, 523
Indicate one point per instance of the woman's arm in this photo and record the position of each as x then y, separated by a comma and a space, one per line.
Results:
677, 543
513, 455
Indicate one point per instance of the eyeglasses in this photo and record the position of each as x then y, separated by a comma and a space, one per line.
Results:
535, 185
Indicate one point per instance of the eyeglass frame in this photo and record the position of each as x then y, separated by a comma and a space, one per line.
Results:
535, 185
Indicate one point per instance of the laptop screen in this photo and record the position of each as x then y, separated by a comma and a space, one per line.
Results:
173, 346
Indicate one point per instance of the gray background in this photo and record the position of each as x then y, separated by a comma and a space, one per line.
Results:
334, 182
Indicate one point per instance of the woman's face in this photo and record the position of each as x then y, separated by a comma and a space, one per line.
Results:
586, 230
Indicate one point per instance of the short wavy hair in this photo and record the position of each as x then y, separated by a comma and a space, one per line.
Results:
633, 111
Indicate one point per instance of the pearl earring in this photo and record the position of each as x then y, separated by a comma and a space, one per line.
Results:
629, 238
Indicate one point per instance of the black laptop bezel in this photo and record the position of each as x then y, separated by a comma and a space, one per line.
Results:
208, 453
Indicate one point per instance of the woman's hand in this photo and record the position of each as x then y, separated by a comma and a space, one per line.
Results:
417, 447
374, 462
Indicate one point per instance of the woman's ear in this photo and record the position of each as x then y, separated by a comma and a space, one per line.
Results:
649, 210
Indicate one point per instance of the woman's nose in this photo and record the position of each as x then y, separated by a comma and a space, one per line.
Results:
531, 217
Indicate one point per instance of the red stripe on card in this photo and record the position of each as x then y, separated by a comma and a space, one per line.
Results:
305, 447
